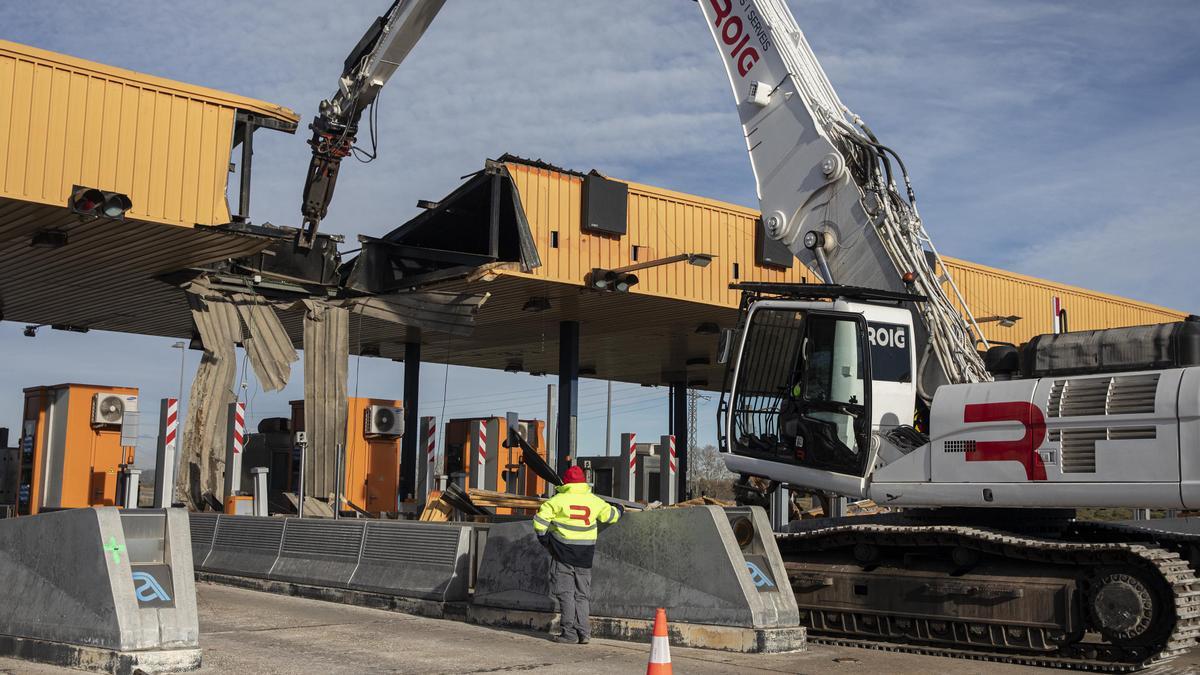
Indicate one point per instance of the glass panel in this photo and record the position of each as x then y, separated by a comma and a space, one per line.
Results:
801, 392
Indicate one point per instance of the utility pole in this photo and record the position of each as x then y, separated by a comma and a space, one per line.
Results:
608, 423
693, 417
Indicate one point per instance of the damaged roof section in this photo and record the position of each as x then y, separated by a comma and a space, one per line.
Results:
479, 226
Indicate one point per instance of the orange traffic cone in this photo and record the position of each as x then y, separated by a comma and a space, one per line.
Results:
660, 647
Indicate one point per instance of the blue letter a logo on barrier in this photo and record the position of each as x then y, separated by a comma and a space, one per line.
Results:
758, 577
148, 589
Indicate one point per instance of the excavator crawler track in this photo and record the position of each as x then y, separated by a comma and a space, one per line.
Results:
977, 593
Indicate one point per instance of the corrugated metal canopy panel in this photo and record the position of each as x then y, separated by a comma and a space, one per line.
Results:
995, 292
165, 144
105, 277
661, 223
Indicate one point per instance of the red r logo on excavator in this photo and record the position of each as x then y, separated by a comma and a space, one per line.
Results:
1024, 449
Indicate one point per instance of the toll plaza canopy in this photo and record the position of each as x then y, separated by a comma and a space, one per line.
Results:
66, 124
527, 236
664, 330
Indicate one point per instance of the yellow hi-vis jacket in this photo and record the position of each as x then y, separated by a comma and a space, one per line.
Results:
568, 522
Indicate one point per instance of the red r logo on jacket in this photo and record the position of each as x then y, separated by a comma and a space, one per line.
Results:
1024, 449
584, 514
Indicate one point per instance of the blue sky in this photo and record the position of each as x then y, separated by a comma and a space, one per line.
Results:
1057, 139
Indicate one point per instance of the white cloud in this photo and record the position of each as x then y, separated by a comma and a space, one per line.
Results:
1060, 122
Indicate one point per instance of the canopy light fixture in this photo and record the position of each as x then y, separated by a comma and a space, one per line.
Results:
49, 239
514, 367
1006, 321
708, 328
536, 304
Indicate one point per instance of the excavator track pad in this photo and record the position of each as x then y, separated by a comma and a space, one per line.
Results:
985, 594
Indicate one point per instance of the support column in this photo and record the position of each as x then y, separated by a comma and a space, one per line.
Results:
568, 392
408, 442
679, 429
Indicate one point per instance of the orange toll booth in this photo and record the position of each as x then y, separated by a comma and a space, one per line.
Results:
495, 468
372, 461
71, 449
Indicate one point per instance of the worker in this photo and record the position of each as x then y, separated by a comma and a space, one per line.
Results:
567, 525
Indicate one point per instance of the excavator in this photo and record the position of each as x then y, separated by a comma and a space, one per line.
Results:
878, 383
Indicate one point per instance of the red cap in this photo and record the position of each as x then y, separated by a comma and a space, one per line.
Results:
574, 474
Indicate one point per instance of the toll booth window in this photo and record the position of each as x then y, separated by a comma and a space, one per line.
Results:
800, 394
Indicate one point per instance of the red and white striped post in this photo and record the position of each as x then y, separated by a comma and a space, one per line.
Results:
165, 457
233, 456
627, 474
668, 470
427, 479
480, 455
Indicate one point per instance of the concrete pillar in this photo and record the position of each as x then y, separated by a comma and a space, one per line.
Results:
568, 392
129, 493
427, 477
626, 478
408, 443
679, 429
166, 456
668, 481
233, 449
260, 490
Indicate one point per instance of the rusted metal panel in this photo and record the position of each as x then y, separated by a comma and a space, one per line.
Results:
66, 121
992, 292
268, 344
202, 462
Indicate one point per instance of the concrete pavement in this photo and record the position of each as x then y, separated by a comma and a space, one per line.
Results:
244, 631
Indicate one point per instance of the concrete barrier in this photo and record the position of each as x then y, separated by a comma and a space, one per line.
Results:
686, 560
204, 530
245, 546
429, 561
318, 551
421, 561
99, 589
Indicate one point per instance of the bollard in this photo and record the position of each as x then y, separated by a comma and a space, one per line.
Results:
780, 503
260, 490
164, 467
133, 478
233, 449
427, 479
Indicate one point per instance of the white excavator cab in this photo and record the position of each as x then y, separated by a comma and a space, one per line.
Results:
812, 382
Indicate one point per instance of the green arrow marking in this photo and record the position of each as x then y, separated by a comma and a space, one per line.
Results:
115, 548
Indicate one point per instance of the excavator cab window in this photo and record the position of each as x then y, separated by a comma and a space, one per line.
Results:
801, 394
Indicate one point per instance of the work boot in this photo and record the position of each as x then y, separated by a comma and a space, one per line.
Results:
583, 639
563, 638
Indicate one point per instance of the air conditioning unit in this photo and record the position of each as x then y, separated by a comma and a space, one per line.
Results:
383, 420
108, 410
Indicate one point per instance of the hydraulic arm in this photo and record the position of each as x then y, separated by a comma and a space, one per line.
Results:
372, 61
827, 187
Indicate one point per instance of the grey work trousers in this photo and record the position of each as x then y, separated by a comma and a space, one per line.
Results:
572, 587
